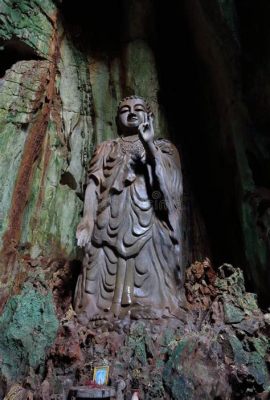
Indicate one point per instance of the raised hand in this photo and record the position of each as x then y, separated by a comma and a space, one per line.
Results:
146, 130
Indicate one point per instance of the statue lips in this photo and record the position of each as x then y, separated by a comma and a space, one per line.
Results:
132, 119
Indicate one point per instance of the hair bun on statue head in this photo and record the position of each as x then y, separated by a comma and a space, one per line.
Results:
148, 108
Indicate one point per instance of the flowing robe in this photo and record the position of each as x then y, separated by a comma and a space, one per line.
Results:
134, 256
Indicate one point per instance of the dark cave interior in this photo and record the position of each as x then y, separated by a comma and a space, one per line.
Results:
12, 51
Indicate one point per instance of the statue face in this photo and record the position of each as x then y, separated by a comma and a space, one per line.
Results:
131, 114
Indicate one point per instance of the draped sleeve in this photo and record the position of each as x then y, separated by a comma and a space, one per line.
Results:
168, 172
96, 167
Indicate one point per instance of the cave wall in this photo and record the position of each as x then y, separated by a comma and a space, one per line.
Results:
231, 45
63, 73
54, 110
215, 95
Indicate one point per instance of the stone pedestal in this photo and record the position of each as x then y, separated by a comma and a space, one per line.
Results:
86, 392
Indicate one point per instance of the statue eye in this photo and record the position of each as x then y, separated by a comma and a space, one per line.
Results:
139, 109
124, 110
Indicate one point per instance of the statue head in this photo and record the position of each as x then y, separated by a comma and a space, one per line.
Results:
132, 111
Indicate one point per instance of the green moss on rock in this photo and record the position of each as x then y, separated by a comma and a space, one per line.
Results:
28, 327
30, 21
232, 314
18, 101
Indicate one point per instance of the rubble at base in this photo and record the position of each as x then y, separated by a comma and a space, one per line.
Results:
219, 350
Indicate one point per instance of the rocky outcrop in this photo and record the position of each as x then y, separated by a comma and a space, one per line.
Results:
226, 353
23, 346
219, 349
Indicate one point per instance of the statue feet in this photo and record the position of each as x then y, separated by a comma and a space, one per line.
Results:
144, 312
106, 315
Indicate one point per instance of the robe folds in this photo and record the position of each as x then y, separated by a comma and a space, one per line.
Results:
134, 256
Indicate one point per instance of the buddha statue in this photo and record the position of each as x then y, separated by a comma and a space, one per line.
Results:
131, 226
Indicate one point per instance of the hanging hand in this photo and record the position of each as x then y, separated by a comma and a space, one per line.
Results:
84, 231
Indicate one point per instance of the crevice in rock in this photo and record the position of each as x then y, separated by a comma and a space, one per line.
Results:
12, 51
100, 37
68, 179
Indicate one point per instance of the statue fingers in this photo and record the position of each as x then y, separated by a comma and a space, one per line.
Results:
146, 126
80, 241
151, 121
80, 227
145, 117
83, 237
141, 131
140, 127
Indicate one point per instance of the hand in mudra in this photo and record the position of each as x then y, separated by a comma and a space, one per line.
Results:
84, 232
146, 130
